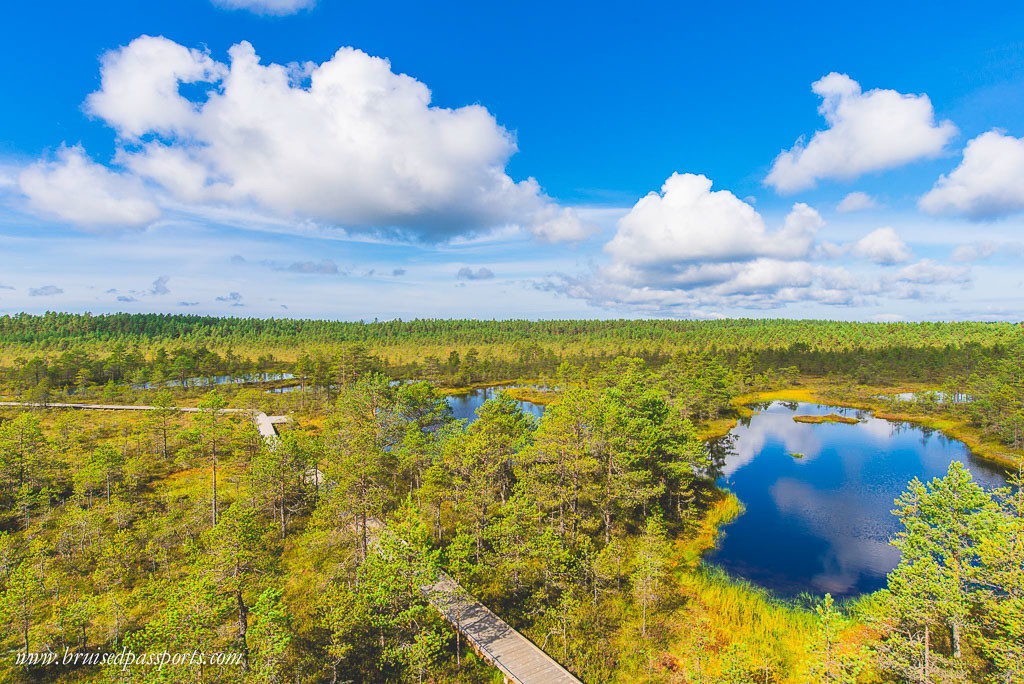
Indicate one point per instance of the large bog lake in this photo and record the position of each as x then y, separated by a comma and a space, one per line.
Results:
822, 522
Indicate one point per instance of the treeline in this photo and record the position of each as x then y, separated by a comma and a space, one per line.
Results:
51, 329
996, 398
87, 362
988, 395
77, 369
87, 356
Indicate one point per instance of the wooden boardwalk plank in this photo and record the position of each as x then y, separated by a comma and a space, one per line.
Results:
518, 658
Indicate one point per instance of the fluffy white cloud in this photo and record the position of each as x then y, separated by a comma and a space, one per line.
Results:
928, 272
560, 224
269, 7
690, 251
988, 182
691, 248
139, 87
74, 188
871, 131
882, 246
856, 201
689, 222
347, 142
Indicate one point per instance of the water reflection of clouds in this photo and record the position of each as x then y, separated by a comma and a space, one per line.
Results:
823, 522
771, 425
857, 546
878, 429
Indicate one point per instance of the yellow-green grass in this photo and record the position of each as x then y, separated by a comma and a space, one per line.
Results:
720, 427
712, 614
830, 418
465, 389
532, 395
702, 536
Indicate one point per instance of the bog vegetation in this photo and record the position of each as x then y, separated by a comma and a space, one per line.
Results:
305, 558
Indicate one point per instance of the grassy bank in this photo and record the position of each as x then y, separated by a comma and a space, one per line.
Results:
532, 395
510, 385
830, 418
721, 629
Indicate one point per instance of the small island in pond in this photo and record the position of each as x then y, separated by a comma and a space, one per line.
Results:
830, 418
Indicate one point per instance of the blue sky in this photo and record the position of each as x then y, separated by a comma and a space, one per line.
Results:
343, 160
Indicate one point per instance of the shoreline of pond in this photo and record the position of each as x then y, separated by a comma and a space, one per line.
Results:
742, 406
861, 473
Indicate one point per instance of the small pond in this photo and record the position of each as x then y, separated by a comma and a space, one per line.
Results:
822, 522
465, 404
217, 380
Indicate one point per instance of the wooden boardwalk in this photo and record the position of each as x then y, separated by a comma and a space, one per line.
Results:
518, 658
264, 423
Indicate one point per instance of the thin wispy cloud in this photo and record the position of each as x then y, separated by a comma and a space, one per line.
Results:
45, 291
232, 298
272, 8
160, 286
482, 273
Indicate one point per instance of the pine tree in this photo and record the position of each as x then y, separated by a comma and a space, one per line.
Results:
238, 558
649, 572
1002, 576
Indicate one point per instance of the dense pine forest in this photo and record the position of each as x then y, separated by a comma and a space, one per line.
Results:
64, 348
304, 559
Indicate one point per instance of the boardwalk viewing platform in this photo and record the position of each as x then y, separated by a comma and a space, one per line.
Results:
517, 658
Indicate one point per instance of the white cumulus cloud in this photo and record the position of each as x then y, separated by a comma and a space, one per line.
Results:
690, 248
882, 246
689, 222
856, 201
929, 272
867, 131
348, 142
989, 181
691, 251
139, 87
74, 188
